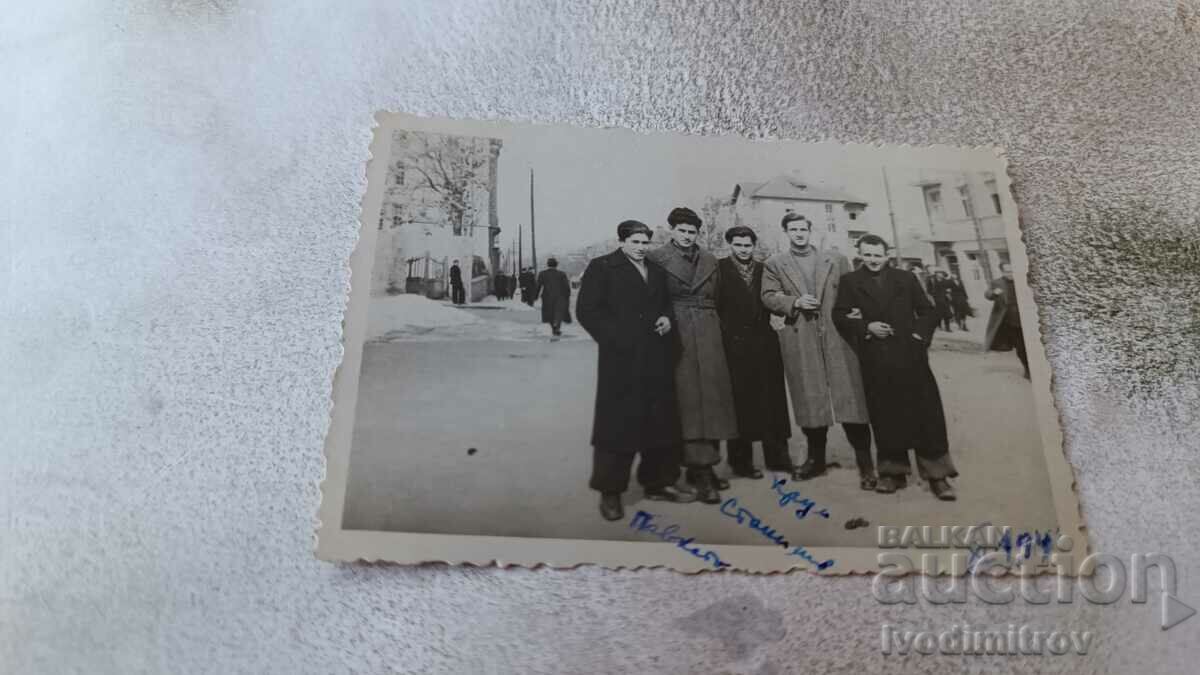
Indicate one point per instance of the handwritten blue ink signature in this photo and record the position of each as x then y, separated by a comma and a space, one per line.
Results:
744, 516
1023, 548
794, 497
644, 522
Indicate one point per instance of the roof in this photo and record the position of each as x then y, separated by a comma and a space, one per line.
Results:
785, 187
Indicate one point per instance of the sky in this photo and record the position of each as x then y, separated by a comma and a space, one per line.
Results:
588, 180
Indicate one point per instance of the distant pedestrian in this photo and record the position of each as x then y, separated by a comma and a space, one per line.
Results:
458, 294
527, 283
554, 288
1004, 325
623, 304
959, 302
940, 290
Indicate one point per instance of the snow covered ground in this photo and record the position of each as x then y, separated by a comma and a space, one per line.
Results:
395, 315
414, 318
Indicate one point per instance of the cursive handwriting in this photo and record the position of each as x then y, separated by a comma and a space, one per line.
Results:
731, 509
805, 504
644, 522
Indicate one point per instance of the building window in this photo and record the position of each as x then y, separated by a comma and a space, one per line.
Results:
396, 222
933, 203
991, 188
854, 215
964, 193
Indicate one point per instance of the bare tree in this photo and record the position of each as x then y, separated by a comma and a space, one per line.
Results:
442, 170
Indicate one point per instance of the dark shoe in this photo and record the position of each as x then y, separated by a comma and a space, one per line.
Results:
752, 473
694, 477
940, 487
610, 507
670, 493
706, 489
867, 481
889, 484
809, 470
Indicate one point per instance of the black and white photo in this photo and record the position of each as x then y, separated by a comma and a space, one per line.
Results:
570, 345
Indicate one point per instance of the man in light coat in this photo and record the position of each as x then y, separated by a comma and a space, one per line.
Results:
702, 383
822, 370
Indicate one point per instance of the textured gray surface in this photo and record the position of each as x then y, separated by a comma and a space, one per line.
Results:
180, 195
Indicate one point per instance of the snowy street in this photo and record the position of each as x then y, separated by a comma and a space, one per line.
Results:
477, 423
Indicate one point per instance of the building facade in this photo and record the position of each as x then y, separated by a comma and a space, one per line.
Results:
440, 205
964, 229
837, 218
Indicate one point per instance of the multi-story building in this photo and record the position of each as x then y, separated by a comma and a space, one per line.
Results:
439, 206
837, 217
965, 227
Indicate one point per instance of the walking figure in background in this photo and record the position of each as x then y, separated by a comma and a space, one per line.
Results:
822, 370
458, 294
940, 289
555, 290
702, 383
959, 302
623, 304
755, 364
887, 316
527, 283
1004, 325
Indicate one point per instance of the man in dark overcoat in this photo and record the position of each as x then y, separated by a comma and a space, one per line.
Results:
623, 304
527, 282
755, 364
1004, 324
554, 288
702, 382
940, 290
887, 316
959, 302
458, 294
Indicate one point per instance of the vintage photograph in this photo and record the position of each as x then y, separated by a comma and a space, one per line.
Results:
570, 346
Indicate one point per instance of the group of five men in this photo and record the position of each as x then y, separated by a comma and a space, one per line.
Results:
694, 351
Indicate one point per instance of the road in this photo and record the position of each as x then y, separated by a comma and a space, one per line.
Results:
490, 437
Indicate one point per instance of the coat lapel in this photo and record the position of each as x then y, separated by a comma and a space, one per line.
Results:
824, 264
672, 261
791, 270
706, 265
868, 287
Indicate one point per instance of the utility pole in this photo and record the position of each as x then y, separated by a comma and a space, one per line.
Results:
887, 189
520, 248
984, 261
532, 226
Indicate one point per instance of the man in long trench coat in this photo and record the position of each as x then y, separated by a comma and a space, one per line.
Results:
702, 384
1004, 324
755, 365
823, 376
891, 321
623, 304
554, 288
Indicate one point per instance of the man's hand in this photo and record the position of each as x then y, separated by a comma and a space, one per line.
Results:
855, 313
778, 322
662, 326
918, 338
807, 302
879, 329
